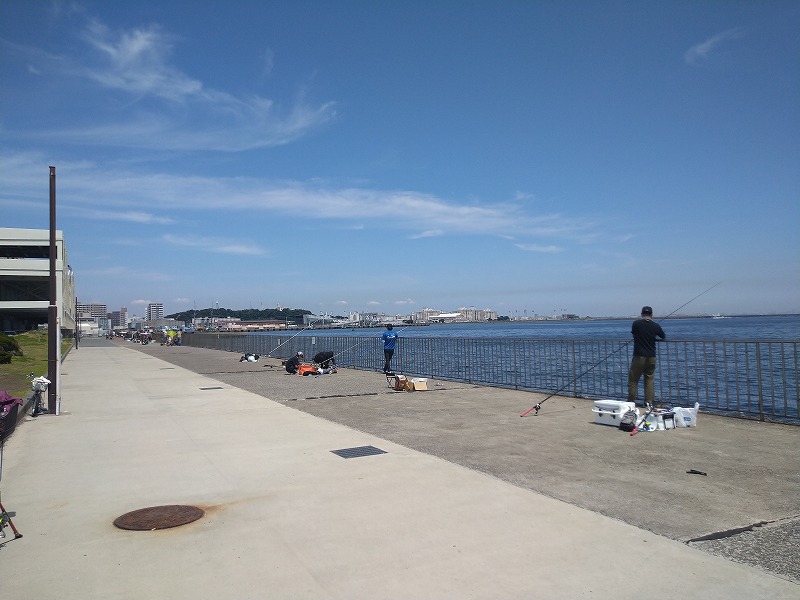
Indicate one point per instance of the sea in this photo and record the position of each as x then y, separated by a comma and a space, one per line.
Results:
751, 328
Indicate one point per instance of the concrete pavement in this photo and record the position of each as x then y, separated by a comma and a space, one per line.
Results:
455, 508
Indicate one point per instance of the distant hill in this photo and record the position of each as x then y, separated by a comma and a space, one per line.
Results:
294, 315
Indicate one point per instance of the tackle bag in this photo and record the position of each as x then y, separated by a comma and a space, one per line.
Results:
306, 370
628, 421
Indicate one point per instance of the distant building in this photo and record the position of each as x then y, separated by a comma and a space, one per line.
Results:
258, 325
155, 311
462, 315
95, 311
214, 322
119, 318
25, 280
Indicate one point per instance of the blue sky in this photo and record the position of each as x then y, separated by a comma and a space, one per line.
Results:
539, 157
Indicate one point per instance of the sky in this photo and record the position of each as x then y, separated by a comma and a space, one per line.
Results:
530, 157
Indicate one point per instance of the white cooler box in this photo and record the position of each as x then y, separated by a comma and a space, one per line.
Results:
609, 412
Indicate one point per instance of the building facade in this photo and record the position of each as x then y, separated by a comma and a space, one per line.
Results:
462, 315
95, 311
119, 318
155, 311
25, 280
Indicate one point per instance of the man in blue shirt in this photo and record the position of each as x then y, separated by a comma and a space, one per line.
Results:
644, 331
389, 338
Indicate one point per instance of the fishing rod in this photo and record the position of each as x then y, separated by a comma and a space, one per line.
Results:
538, 405
269, 354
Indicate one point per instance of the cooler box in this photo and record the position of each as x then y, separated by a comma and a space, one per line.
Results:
609, 412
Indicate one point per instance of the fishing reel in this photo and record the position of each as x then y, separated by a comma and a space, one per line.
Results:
537, 408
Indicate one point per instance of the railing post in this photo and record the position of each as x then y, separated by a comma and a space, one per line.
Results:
468, 373
575, 370
760, 390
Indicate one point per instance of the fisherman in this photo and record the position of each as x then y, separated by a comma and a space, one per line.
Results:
389, 338
644, 331
293, 364
324, 359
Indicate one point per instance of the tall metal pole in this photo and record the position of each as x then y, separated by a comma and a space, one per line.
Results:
53, 327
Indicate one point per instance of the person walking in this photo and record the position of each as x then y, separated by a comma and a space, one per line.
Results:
644, 331
389, 338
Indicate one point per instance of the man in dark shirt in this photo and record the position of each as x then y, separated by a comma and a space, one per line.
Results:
294, 363
645, 331
324, 359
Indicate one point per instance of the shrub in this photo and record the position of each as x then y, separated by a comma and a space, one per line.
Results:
9, 344
5, 357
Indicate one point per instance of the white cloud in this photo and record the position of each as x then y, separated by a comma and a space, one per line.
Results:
127, 195
131, 216
538, 248
164, 107
135, 61
218, 246
702, 51
429, 233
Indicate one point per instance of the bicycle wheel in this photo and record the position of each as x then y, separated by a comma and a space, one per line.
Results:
37, 398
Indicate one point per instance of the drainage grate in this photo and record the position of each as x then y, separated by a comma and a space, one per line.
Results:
212, 388
359, 451
158, 517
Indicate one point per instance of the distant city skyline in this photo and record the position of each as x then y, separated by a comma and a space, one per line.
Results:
359, 156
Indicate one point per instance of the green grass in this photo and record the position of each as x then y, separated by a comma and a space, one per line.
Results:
14, 376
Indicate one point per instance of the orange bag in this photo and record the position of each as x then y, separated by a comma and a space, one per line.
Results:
303, 369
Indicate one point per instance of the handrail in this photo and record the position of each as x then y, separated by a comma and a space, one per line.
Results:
755, 379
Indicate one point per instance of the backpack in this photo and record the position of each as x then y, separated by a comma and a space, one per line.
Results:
628, 420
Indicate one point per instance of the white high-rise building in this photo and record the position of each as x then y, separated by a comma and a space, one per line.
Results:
155, 311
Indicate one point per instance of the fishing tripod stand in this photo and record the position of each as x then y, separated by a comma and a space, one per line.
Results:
5, 521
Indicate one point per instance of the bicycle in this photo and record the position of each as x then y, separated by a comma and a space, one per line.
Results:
39, 386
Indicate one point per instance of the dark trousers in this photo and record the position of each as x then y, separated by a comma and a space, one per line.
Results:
387, 354
642, 365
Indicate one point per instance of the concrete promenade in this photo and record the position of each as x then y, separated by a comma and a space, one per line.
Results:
468, 501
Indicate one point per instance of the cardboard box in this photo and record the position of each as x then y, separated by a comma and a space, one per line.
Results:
419, 383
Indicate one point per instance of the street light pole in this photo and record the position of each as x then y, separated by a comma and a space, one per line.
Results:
53, 328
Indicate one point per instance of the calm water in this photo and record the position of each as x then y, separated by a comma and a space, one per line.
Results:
785, 328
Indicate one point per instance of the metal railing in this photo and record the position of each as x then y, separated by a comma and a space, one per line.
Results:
751, 378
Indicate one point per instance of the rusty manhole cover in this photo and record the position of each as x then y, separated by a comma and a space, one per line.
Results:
158, 517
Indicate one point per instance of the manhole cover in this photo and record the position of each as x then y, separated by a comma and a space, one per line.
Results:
158, 517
